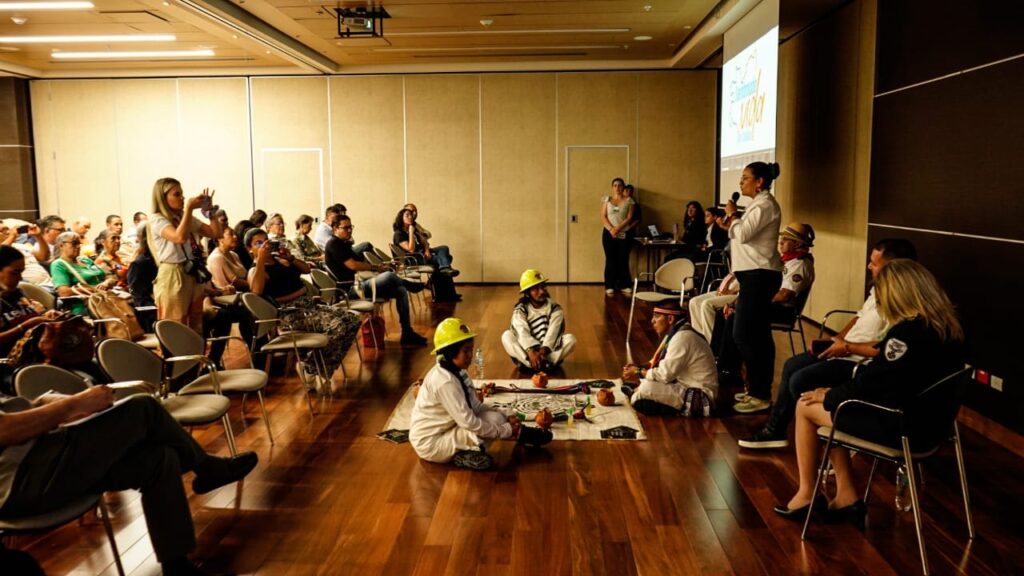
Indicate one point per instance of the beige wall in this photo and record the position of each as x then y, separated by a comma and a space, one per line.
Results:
482, 155
826, 77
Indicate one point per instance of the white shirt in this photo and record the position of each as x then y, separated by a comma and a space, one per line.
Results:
756, 235
798, 275
167, 251
34, 272
538, 326
869, 326
688, 361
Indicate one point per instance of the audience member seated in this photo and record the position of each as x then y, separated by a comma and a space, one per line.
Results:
141, 275
325, 231
115, 226
450, 422
923, 345
277, 276
81, 226
717, 237
47, 461
704, 308
415, 239
108, 257
17, 312
226, 270
241, 228
275, 228
258, 218
695, 229
795, 242
854, 343
537, 341
50, 227
131, 234
342, 261
681, 376
75, 276
34, 273
303, 246
221, 218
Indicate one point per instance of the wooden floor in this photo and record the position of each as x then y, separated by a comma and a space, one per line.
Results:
330, 498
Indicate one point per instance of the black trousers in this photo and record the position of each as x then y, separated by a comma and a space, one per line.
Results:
752, 328
803, 373
616, 261
136, 445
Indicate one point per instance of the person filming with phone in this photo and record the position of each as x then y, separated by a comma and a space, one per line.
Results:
174, 241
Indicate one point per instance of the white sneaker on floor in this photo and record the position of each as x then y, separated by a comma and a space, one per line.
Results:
609, 292
627, 291
752, 405
741, 397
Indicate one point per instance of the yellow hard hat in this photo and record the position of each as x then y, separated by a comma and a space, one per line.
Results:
531, 278
450, 331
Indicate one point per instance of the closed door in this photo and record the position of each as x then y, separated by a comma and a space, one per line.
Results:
589, 174
292, 183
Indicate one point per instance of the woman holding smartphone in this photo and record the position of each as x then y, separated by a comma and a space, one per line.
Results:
174, 235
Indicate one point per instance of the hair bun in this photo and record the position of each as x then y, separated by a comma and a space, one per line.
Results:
774, 166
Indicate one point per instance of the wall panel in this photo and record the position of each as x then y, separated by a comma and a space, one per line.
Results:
443, 147
367, 139
146, 113
214, 141
518, 142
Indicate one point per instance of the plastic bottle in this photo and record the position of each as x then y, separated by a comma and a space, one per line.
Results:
903, 501
478, 361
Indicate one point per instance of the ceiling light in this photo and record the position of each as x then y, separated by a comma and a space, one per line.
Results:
643, 38
486, 22
131, 55
28, 6
647, 7
19, 20
521, 32
87, 39
498, 48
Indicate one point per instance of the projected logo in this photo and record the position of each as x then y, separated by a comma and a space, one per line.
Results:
748, 89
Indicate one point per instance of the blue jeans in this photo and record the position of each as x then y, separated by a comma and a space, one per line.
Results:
803, 373
389, 285
360, 248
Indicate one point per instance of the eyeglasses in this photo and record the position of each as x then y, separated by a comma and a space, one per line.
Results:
74, 243
345, 227
55, 229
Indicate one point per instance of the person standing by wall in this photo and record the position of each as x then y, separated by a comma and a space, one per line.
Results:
616, 215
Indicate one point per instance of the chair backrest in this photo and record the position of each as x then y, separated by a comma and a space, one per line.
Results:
326, 285
261, 309
125, 360
39, 294
179, 340
372, 258
382, 254
675, 274
796, 306
33, 381
930, 416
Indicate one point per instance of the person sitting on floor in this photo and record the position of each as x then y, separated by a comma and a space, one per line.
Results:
537, 340
47, 462
681, 376
449, 421
835, 365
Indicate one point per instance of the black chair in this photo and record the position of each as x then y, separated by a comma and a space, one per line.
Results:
939, 402
791, 319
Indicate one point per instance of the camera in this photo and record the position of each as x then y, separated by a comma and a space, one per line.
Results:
22, 229
275, 245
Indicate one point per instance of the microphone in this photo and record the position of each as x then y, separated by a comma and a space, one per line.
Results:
736, 197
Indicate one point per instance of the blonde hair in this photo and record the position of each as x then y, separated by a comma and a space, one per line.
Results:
907, 290
160, 189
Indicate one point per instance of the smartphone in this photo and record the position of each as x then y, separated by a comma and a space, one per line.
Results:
22, 229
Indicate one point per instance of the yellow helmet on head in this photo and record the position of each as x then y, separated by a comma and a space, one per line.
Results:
451, 331
531, 278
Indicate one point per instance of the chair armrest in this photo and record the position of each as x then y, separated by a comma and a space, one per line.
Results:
824, 320
203, 361
145, 308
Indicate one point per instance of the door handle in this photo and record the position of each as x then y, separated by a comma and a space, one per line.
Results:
574, 218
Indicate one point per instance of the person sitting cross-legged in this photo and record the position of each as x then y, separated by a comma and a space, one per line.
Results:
681, 376
450, 422
343, 263
48, 461
537, 340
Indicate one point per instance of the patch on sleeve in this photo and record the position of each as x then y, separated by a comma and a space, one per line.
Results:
797, 278
895, 349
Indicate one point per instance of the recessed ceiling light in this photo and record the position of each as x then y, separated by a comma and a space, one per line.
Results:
496, 48
19, 20
643, 38
131, 55
28, 6
647, 7
87, 39
517, 32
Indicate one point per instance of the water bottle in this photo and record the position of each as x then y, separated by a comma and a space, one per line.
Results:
478, 361
903, 502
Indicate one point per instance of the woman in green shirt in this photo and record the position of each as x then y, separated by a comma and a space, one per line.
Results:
71, 270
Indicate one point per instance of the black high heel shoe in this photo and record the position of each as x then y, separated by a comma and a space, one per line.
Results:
855, 514
800, 514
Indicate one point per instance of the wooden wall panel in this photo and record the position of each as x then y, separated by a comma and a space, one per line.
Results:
215, 141
827, 72
147, 142
290, 126
676, 143
594, 109
367, 142
519, 191
443, 147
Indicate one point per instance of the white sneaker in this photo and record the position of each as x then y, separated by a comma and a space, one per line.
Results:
741, 397
609, 292
627, 291
752, 405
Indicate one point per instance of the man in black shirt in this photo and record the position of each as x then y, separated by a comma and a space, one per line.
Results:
341, 260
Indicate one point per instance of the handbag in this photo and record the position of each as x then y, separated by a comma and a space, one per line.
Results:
372, 332
65, 343
110, 305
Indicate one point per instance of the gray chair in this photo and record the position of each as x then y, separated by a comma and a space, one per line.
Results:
126, 360
39, 294
188, 350
941, 401
267, 326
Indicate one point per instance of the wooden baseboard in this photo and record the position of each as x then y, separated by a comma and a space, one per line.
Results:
992, 430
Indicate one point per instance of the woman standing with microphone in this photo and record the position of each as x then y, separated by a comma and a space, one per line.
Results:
758, 267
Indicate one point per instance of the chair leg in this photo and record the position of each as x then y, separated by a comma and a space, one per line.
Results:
817, 485
229, 434
803, 339
871, 476
963, 479
266, 419
792, 346
105, 517
912, 480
